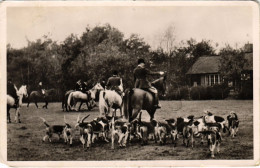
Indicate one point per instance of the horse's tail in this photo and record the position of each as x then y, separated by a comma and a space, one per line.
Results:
69, 99
102, 103
127, 107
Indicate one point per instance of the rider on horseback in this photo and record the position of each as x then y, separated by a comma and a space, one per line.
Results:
114, 82
41, 89
141, 81
79, 86
12, 91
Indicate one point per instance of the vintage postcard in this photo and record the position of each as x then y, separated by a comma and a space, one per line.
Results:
129, 84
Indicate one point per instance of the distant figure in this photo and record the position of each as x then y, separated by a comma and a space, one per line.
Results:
114, 82
41, 89
11, 90
140, 78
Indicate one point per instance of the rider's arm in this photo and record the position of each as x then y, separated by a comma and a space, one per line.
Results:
151, 72
108, 82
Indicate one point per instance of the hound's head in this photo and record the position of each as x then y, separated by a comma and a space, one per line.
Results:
209, 117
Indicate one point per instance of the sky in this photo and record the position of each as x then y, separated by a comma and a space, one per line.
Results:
221, 24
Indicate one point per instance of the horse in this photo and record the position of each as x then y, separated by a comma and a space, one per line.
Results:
22, 92
36, 96
137, 99
110, 99
65, 100
83, 97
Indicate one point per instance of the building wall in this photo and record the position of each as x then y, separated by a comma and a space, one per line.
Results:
206, 79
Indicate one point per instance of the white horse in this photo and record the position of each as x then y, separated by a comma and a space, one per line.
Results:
110, 99
84, 97
11, 102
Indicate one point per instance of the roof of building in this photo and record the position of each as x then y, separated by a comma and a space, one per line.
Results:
205, 65
210, 64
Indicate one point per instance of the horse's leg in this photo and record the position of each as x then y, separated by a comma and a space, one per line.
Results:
89, 105
36, 104
151, 112
8, 115
135, 113
80, 105
17, 115
46, 104
28, 103
19, 120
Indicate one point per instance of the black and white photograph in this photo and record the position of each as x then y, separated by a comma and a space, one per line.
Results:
157, 82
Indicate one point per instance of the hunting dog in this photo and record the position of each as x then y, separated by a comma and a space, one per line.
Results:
214, 137
142, 129
86, 131
164, 129
119, 128
233, 123
186, 128
66, 130
90, 131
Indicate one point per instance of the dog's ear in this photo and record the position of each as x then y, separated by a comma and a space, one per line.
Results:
68, 126
196, 123
140, 116
108, 117
153, 122
228, 117
190, 117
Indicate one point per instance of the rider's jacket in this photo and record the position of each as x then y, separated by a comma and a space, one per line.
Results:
113, 83
140, 77
78, 86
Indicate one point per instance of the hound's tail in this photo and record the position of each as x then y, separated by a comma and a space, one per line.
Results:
45, 122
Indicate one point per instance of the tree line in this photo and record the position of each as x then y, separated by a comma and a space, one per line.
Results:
100, 50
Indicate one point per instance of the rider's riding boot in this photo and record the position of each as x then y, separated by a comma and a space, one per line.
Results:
156, 101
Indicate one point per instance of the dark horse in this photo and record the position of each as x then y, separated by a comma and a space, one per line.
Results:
137, 99
36, 96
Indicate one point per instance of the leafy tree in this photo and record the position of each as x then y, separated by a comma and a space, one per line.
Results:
231, 65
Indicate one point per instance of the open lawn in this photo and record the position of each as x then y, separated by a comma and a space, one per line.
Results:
24, 141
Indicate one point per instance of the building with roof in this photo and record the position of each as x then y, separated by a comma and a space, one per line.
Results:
205, 71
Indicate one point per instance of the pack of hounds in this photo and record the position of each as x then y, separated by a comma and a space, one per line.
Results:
208, 127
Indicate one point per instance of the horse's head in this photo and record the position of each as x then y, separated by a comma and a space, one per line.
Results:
95, 90
23, 91
98, 87
160, 84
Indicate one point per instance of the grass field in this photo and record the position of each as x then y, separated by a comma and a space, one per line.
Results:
24, 141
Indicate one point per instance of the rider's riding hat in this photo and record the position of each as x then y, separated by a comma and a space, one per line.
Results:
115, 72
141, 61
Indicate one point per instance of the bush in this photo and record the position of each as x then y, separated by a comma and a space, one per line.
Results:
205, 93
199, 93
178, 94
246, 91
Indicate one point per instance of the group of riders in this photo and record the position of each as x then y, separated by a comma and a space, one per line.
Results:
141, 74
